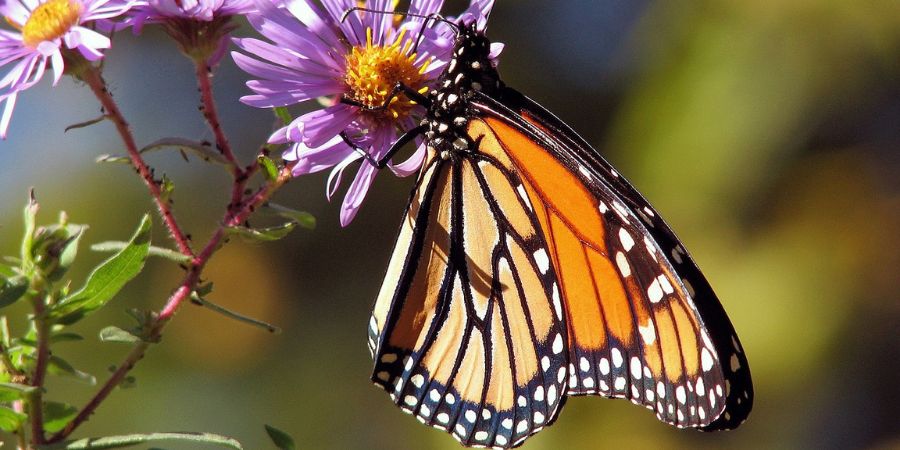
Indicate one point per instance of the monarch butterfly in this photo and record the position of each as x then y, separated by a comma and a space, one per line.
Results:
528, 270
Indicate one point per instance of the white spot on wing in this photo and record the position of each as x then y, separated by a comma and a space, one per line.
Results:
603, 208
626, 239
654, 292
524, 195
617, 357
557, 304
557, 344
664, 283
543, 262
551, 394
706, 359
648, 332
635, 368
622, 264
604, 366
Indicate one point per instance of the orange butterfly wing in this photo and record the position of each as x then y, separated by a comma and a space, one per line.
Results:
526, 271
467, 333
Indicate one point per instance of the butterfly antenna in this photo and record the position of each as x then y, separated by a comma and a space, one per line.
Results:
434, 18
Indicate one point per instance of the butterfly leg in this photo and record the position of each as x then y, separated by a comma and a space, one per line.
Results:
398, 88
404, 139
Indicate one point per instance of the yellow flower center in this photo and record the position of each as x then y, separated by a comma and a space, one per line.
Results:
50, 21
373, 72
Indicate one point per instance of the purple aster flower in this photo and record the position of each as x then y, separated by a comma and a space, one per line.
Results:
44, 30
321, 54
200, 27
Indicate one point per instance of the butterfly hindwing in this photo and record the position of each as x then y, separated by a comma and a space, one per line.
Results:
466, 335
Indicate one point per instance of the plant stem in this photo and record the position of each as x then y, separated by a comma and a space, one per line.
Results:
236, 215
94, 79
42, 331
210, 113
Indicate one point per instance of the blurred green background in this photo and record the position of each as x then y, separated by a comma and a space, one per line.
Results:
767, 133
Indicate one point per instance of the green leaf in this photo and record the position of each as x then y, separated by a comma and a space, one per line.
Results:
136, 439
54, 339
281, 439
166, 188
119, 159
116, 334
30, 212
7, 271
65, 337
270, 170
107, 279
233, 315
263, 234
14, 391
57, 415
114, 246
204, 289
283, 115
59, 366
203, 149
303, 218
12, 289
10, 420
69, 251
86, 123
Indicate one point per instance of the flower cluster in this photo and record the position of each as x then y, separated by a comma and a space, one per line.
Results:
351, 63
346, 54
44, 30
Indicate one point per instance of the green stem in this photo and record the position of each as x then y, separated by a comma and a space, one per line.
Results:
42, 330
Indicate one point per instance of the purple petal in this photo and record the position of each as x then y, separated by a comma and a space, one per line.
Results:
411, 165
10, 100
334, 178
357, 193
322, 125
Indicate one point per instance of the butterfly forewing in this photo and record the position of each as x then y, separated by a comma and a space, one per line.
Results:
475, 344
680, 355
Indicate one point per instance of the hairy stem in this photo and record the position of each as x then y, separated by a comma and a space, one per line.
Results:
42, 331
211, 114
94, 79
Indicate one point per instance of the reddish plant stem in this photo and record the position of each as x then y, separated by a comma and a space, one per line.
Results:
210, 113
236, 215
94, 79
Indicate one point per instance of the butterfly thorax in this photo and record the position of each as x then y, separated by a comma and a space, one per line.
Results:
469, 73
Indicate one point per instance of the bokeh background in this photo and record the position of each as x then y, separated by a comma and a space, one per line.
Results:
767, 133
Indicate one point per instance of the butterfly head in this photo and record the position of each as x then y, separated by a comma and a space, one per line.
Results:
470, 72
